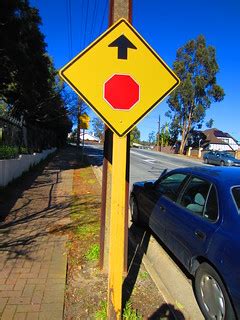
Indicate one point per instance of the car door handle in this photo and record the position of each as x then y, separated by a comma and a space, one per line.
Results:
199, 234
163, 209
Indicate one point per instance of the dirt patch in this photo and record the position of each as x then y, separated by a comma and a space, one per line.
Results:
86, 290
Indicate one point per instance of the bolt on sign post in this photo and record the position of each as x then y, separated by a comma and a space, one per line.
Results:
122, 79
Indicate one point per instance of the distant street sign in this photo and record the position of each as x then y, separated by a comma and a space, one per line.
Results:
120, 77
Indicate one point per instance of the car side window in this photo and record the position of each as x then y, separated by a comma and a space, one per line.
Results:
200, 197
170, 186
195, 195
236, 196
211, 209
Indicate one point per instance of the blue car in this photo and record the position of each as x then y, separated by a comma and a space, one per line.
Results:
196, 213
221, 158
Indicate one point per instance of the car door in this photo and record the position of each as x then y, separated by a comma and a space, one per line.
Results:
214, 157
168, 188
217, 158
193, 221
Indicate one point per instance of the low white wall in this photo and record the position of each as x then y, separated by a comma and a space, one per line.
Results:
11, 169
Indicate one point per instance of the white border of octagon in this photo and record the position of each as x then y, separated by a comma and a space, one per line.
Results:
121, 74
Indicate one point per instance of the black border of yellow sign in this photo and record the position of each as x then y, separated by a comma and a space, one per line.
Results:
149, 48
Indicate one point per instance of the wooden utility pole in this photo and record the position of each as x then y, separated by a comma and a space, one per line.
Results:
118, 9
116, 149
106, 196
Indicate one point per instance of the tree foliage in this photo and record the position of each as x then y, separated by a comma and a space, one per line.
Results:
28, 85
164, 136
196, 66
209, 123
98, 128
152, 137
134, 136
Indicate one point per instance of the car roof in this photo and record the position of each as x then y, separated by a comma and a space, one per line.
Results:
228, 175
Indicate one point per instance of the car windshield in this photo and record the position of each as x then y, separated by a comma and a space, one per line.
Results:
236, 196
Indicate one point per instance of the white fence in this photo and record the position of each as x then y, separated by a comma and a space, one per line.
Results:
11, 169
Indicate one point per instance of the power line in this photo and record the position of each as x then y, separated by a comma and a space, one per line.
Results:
94, 18
104, 12
69, 24
85, 29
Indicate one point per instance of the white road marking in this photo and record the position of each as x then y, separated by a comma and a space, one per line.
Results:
150, 160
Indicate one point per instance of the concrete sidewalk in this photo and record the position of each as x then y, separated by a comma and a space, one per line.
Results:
33, 258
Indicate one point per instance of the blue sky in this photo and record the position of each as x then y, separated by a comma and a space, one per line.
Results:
166, 26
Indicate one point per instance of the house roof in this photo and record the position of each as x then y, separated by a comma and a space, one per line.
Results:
214, 136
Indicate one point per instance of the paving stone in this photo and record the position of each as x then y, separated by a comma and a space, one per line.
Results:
28, 290
37, 297
9, 312
6, 287
4, 274
43, 273
20, 270
12, 279
51, 307
33, 316
19, 300
10, 293
28, 276
20, 284
54, 315
55, 280
36, 281
20, 316
28, 307
3, 302
53, 297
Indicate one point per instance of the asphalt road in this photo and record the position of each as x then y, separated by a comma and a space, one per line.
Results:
148, 164
144, 164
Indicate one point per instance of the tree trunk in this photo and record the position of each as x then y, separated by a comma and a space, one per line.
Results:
186, 128
182, 146
79, 112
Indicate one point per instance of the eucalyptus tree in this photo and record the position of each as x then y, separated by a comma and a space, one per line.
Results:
196, 66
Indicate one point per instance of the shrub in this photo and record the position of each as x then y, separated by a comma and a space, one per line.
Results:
8, 152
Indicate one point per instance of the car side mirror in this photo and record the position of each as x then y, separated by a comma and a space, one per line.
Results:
149, 185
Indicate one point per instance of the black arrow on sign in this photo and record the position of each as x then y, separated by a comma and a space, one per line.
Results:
123, 44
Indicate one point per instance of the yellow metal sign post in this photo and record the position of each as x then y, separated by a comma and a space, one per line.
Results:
122, 78
117, 224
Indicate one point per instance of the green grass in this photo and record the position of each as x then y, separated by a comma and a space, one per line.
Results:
87, 229
102, 313
131, 314
143, 275
128, 313
93, 253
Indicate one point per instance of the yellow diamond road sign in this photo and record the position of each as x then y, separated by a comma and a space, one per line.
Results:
120, 77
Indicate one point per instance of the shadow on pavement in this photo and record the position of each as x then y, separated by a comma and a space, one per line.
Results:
138, 241
136, 250
29, 209
167, 312
65, 159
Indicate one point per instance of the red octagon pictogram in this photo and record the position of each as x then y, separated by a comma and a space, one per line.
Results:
121, 92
